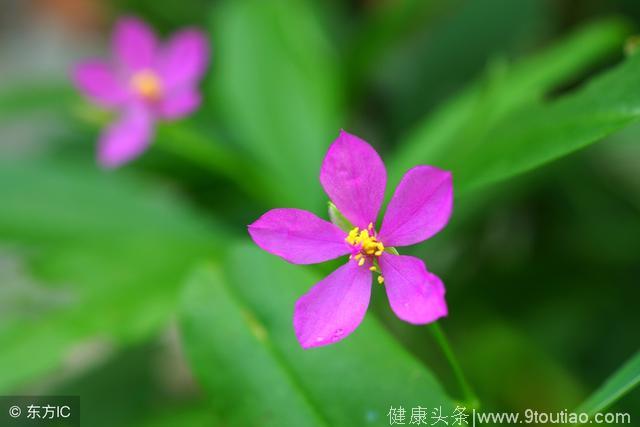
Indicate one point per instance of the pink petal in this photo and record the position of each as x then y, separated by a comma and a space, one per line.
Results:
415, 295
298, 236
179, 104
420, 207
126, 139
184, 60
134, 44
354, 178
97, 81
334, 307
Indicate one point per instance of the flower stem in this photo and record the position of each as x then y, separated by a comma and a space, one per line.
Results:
469, 396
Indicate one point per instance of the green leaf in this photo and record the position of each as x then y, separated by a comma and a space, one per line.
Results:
277, 84
499, 128
232, 356
102, 256
620, 383
238, 334
543, 133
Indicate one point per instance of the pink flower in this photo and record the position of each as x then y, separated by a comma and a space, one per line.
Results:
354, 177
145, 81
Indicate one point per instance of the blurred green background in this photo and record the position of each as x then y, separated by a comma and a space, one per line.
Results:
139, 289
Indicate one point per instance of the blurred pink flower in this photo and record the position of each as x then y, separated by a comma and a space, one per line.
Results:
354, 177
145, 81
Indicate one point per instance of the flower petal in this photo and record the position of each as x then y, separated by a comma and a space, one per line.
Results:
298, 236
354, 178
184, 59
179, 104
97, 80
126, 139
134, 44
415, 295
334, 307
420, 207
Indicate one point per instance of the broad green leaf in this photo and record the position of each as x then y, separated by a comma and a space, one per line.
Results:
238, 334
231, 354
102, 256
540, 134
620, 383
277, 84
481, 136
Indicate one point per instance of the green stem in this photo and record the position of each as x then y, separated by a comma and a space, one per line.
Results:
469, 396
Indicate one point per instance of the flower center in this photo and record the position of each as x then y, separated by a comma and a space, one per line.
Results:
366, 247
147, 84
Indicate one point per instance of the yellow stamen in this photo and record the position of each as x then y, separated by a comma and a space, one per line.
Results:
361, 262
366, 241
353, 236
380, 280
373, 268
147, 84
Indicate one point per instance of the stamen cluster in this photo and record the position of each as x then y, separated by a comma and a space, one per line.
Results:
366, 247
147, 84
